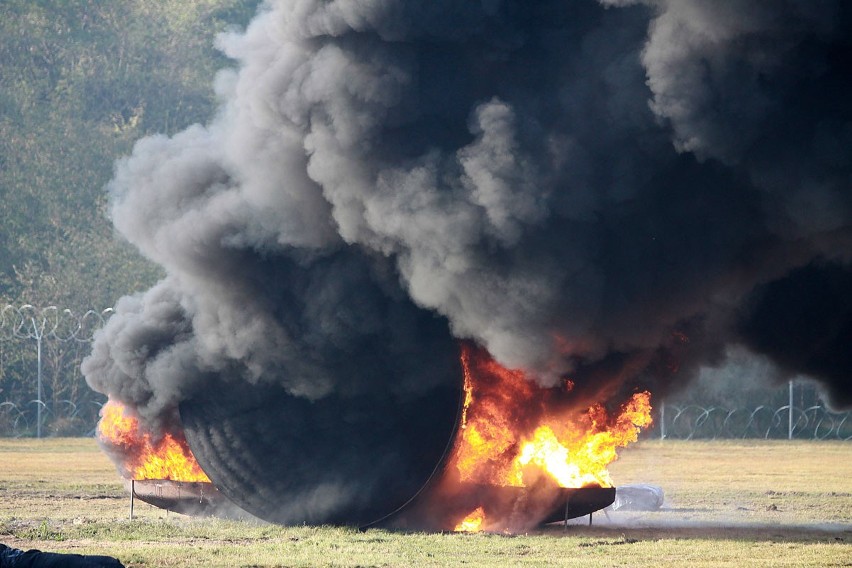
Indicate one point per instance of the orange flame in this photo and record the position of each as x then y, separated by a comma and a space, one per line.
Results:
144, 457
473, 522
513, 431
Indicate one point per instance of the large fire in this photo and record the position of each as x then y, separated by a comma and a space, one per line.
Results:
143, 456
514, 433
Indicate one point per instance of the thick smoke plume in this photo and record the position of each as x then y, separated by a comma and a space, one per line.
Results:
612, 191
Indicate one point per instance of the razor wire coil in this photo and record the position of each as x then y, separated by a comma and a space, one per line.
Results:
30, 322
47, 343
696, 422
22, 327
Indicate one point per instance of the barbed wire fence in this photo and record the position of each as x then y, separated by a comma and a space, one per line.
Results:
42, 391
689, 421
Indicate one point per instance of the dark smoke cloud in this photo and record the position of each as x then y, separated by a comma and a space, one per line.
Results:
579, 187
804, 322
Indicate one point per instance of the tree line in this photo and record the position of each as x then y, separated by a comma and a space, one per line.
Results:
82, 80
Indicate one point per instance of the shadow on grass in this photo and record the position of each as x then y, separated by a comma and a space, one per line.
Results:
618, 533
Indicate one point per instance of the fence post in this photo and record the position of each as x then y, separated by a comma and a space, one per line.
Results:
44, 326
790, 414
38, 378
663, 420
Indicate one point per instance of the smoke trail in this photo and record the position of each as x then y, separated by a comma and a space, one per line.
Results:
612, 190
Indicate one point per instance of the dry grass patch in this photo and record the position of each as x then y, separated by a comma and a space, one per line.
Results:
772, 481
728, 504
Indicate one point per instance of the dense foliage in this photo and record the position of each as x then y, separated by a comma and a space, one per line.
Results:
81, 81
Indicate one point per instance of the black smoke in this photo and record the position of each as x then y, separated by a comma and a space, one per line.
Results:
614, 191
804, 322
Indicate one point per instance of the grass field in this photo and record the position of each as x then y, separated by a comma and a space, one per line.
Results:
744, 503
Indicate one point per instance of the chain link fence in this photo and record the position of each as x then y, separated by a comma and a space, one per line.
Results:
42, 392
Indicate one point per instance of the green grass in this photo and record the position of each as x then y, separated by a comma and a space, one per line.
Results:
727, 504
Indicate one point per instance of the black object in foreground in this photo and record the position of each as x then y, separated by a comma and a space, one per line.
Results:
15, 558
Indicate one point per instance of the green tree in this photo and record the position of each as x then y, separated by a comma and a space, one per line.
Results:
81, 81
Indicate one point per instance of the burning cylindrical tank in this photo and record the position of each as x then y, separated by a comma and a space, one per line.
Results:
423, 460
507, 454
339, 459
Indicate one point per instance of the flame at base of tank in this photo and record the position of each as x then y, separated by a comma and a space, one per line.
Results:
138, 454
516, 434
518, 447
